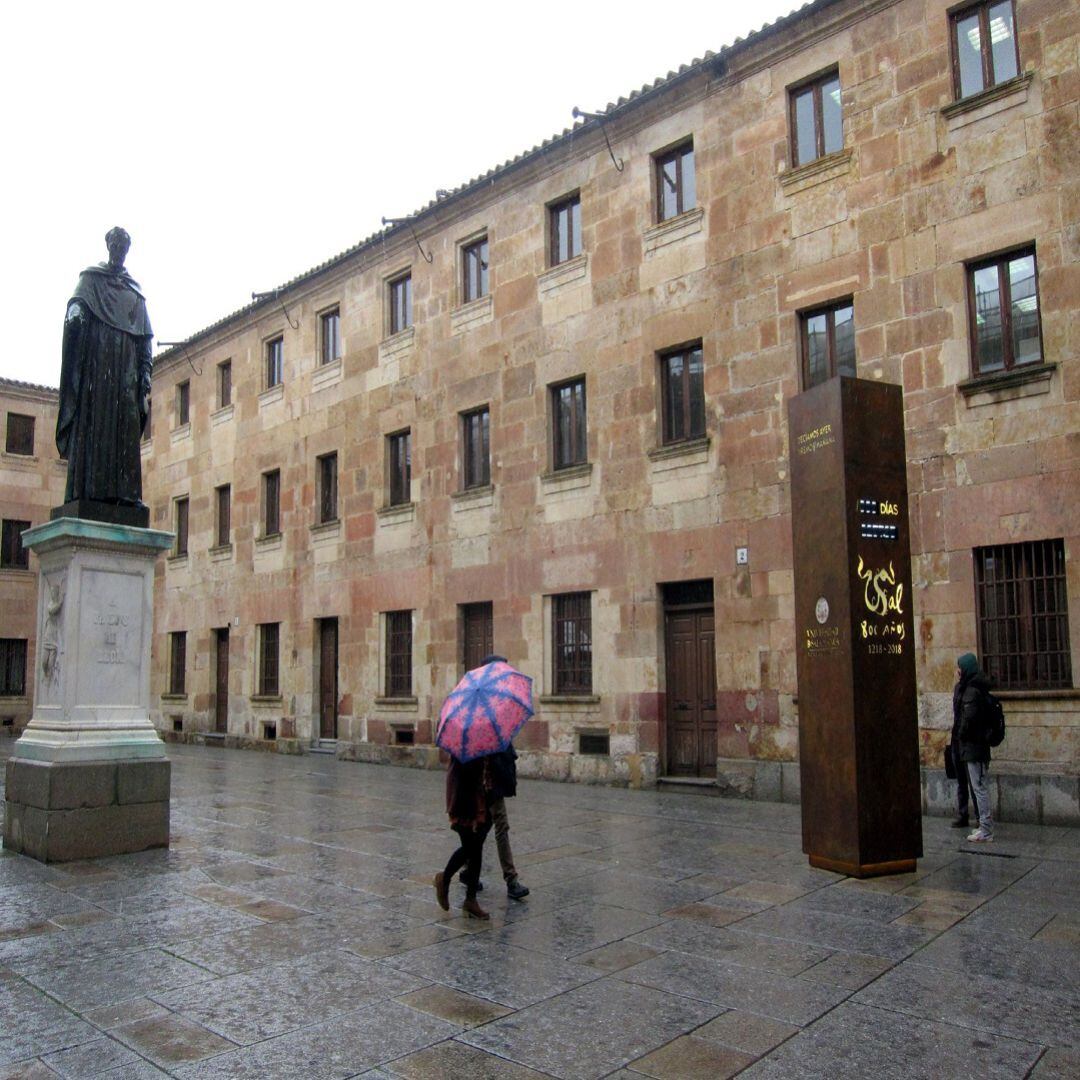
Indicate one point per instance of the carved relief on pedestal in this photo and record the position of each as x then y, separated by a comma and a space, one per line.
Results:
51, 636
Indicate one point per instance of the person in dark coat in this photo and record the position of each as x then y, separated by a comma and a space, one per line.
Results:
963, 788
969, 734
468, 799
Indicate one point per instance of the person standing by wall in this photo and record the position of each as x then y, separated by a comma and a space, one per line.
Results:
969, 694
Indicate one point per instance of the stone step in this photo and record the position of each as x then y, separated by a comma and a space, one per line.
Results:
688, 785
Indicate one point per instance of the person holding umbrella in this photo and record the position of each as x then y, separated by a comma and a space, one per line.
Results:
479, 718
503, 767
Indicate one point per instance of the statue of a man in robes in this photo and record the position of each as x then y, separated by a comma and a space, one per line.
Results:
105, 389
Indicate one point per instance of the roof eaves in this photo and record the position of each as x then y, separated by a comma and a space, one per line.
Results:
633, 100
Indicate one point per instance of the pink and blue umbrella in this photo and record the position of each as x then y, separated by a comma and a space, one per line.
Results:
484, 712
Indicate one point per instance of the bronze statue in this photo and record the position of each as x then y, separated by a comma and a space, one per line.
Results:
105, 389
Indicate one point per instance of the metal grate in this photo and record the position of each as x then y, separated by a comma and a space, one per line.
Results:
178, 662
268, 659
594, 742
404, 736
572, 627
399, 654
1023, 616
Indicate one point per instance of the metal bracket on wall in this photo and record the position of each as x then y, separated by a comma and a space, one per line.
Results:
395, 221
257, 296
599, 118
187, 355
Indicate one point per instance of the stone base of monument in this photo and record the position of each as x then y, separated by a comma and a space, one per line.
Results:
60, 811
89, 776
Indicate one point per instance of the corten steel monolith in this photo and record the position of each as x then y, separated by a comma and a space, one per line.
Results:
858, 721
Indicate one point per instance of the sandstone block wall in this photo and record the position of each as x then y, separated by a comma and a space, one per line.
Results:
30, 486
918, 190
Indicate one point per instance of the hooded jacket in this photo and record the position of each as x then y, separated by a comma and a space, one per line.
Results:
968, 732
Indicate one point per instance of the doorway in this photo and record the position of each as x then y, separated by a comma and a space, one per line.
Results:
477, 634
221, 680
328, 678
690, 663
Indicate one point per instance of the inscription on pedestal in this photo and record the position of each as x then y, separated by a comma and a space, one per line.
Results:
111, 631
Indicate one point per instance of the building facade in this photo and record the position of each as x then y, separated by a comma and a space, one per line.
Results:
32, 480
547, 417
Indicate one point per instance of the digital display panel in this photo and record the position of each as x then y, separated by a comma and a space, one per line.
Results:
879, 520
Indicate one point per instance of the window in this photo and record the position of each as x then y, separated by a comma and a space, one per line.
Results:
275, 357
1003, 298
272, 503
984, 49
268, 683
20, 434
177, 662
400, 297
224, 515
399, 456
683, 393
476, 448
12, 667
327, 470
399, 654
676, 190
571, 626
828, 343
224, 384
13, 556
181, 524
330, 336
817, 126
477, 634
564, 225
569, 441
183, 404
1022, 610
474, 264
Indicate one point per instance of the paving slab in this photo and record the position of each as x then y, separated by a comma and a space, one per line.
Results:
291, 931
251, 1006
855, 1041
337, 1048
978, 1001
590, 1031
791, 1000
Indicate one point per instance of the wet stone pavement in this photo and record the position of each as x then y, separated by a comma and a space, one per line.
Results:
292, 931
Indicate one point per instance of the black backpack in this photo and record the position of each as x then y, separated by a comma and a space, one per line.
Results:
993, 719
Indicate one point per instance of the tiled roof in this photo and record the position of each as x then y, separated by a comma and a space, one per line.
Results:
612, 109
18, 385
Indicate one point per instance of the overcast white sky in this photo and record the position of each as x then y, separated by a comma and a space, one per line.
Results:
243, 143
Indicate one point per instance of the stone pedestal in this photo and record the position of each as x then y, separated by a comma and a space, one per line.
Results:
858, 722
89, 775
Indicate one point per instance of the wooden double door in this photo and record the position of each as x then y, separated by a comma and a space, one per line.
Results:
328, 678
690, 663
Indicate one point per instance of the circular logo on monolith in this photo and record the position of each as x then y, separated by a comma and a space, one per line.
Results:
821, 610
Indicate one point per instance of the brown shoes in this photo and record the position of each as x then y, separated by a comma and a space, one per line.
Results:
474, 910
442, 891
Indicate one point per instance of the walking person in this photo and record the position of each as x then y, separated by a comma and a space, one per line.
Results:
477, 723
968, 698
504, 786
468, 805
